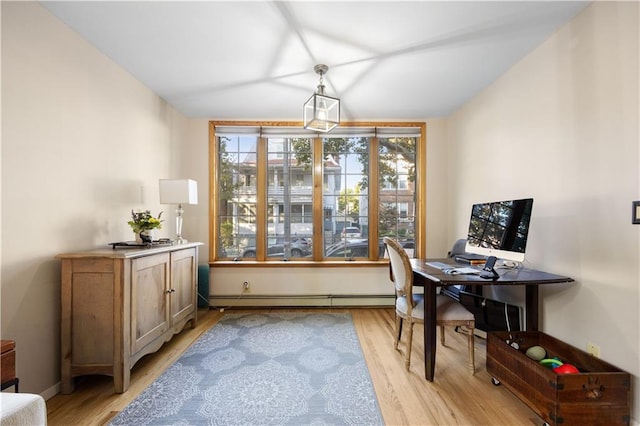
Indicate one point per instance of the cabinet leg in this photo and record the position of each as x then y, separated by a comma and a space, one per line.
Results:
121, 379
194, 320
67, 385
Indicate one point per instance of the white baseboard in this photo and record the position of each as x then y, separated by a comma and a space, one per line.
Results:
52, 391
246, 300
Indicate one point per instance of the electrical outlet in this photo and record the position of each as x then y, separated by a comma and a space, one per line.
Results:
245, 285
593, 349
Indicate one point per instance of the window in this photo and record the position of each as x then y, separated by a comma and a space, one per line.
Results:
284, 193
403, 210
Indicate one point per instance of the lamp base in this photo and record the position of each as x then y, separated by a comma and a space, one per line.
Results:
180, 240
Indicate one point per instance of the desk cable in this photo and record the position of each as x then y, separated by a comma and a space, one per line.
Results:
510, 341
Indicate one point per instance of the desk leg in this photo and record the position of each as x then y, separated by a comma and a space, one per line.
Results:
429, 331
531, 303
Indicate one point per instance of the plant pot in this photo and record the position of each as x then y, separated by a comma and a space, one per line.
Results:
147, 236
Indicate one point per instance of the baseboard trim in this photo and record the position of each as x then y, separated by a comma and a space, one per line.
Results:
51, 391
319, 300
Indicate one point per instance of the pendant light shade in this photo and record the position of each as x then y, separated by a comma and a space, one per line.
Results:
321, 112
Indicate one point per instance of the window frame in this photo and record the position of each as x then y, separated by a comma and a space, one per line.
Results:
318, 184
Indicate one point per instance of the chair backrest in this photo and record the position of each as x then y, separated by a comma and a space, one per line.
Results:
458, 247
401, 271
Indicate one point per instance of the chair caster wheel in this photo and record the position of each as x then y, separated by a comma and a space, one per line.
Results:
495, 381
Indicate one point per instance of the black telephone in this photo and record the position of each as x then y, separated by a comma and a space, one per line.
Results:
487, 271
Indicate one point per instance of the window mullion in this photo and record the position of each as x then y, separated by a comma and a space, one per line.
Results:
318, 212
261, 199
374, 182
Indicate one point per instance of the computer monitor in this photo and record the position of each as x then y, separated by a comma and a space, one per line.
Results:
500, 229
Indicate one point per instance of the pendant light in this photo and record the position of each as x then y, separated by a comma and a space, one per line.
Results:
321, 112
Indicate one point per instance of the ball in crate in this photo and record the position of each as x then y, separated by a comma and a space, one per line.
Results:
566, 369
536, 353
551, 363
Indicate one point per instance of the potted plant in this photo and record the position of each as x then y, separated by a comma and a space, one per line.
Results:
142, 223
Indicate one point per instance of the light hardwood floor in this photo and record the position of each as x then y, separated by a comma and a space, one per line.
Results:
455, 397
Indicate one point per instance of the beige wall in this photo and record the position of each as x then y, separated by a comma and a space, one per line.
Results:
80, 138
439, 240
562, 126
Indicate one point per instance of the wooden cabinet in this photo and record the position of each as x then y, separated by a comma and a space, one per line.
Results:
119, 305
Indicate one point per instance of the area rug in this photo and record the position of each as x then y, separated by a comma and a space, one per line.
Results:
264, 369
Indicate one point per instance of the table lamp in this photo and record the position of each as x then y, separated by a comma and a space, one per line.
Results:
178, 191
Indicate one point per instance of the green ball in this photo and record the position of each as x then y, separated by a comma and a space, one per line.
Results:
536, 353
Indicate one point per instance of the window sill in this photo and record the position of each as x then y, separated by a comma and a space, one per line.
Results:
301, 263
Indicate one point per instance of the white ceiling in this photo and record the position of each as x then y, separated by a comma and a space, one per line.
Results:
254, 60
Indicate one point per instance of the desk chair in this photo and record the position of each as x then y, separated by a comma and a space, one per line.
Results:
458, 247
410, 307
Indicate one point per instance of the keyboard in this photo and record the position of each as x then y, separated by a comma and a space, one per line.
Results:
439, 265
449, 269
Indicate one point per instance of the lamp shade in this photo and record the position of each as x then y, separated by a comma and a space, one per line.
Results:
178, 191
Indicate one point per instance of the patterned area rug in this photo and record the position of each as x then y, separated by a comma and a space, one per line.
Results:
264, 369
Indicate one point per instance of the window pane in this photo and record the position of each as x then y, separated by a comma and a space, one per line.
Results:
397, 196
237, 203
289, 194
345, 199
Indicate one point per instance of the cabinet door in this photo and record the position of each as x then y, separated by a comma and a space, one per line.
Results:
149, 298
183, 283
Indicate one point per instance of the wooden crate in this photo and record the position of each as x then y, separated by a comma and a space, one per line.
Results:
599, 395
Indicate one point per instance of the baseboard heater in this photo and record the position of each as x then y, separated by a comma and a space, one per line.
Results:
319, 300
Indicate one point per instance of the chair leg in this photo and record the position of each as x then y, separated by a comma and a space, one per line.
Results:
442, 335
407, 361
398, 331
472, 356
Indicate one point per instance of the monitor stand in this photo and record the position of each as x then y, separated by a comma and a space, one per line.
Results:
487, 271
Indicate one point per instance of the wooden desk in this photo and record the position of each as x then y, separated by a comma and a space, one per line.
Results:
432, 278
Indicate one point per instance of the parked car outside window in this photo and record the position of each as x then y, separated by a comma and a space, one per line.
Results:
300, 247
350, 249
409, 246
351, 232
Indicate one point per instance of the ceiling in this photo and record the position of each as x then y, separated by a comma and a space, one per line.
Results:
254, 60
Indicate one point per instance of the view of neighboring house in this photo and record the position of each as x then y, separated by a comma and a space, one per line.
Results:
289, 207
